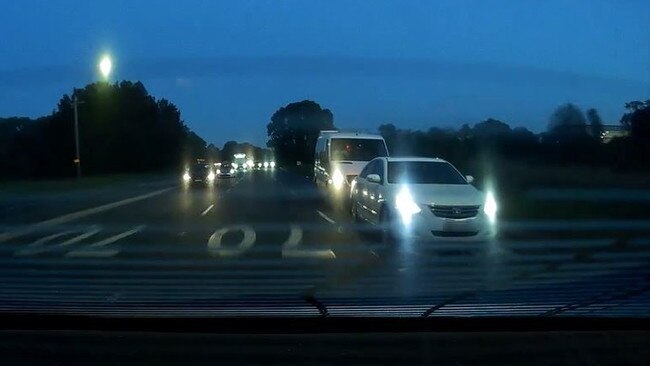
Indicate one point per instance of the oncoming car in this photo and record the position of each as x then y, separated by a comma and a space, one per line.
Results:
226, 170
421, 198
199, 173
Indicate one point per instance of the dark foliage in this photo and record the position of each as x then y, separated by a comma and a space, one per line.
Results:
293, 130
121, 128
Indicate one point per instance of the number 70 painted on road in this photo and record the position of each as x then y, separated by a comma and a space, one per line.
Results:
290, 248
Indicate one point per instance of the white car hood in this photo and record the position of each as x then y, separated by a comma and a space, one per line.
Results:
445, 194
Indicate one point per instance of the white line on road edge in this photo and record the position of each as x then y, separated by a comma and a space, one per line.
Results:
207, 210
327, 218
91, 251
77, 215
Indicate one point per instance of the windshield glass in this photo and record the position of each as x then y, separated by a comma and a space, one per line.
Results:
199, 169
357, 149
417, 172
106, 107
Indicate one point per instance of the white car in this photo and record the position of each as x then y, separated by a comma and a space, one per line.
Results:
421, 198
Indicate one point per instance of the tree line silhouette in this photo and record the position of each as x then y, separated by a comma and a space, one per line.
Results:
124, 129
572, 137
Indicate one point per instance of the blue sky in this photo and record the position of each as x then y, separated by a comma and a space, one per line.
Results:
417, 64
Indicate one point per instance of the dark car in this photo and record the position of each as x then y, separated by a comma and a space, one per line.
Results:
226, 170
199, 173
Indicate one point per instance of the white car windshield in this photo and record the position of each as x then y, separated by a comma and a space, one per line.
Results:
423, 172
357, 149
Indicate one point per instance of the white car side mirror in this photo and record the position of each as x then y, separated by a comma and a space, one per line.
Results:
469, 178
373, 178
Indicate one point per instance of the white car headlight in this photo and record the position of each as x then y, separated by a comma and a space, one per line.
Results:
490, 207
232, 170
272, 164
405, 205
235, 165
186, 176
218, 171
337, 179
266, 164
211, 175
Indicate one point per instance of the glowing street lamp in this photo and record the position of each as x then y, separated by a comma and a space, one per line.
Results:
106, 66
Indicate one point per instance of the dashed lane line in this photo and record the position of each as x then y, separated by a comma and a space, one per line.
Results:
327, 218
207, 210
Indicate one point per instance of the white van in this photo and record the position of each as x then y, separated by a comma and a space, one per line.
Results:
340, 156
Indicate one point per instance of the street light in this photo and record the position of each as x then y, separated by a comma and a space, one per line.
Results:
77, 158
105, 66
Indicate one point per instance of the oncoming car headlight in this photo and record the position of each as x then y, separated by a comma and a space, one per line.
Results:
490, 207
218, 171
211, 175
338, 179
405, 205
186, 176
232, 170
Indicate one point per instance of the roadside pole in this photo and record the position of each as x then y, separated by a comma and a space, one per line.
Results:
77, 158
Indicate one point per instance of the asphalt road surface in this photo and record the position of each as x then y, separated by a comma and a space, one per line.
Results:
269, 243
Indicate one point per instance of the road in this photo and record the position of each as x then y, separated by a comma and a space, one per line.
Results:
268, 243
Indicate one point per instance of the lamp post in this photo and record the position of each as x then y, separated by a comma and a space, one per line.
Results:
105, 68
77, 158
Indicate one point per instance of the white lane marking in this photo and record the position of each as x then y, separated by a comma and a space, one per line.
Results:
92, 249
207, 210
290, 247
94, 230
327, 218
77, 215
37, 246
214, 243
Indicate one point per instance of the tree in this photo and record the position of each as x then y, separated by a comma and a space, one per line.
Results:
568, 121
595, 123
293, 130
491, 128
389, 132
637, 119
122, 128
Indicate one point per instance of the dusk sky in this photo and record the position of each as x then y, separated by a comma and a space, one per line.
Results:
229, 65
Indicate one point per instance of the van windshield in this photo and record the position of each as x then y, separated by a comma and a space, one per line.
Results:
357, 149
